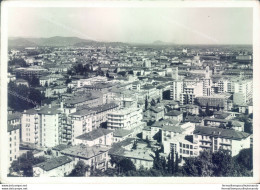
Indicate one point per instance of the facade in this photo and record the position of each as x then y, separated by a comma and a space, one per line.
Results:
42, 126
96, 157
213, 139
128, 118
14, 142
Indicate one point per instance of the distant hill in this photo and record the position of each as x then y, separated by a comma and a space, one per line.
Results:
52, 41
20, 42
159, 42
56, 41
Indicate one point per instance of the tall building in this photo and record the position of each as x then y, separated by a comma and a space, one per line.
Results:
42, 126
176, 90
128, 118
14, 142
190, 92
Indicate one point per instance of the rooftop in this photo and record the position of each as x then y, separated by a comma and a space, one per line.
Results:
92, 135
122, 132
174, 113
53, 163
84, 151
219, 132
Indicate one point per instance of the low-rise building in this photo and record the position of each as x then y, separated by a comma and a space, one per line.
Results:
54, 167
174, 115
98, 136
96, 157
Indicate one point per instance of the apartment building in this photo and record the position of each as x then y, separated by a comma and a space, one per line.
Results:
13, 131
213, 139
243, 92
176, 90
127, 118
42, 126
190, 92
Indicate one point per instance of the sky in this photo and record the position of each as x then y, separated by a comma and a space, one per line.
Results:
136, 25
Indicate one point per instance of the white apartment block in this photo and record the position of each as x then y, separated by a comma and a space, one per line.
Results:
79, 123
42, 126
14, 142
190, 92
243, 91
128, 118
176, 90
214, 139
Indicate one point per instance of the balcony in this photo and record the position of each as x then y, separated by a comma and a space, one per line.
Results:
225, 144
205, 140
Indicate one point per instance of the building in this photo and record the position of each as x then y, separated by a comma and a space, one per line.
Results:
98, 136
176, 90
128, 118
42, 126
215, 102
54, 167
174, 115
122, 134
96, 157
190, 91
77, 124
141, 156
213, 139
13, 131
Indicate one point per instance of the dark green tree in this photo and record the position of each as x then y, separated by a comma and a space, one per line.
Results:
79, 170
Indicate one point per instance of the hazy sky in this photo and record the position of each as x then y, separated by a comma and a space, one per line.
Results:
141, 25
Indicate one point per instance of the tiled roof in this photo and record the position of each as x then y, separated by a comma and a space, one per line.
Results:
122, 132
118, 147
84, 151
219, 132
193, 119
61, 147
173, 113
53, 163
92, 135
171, 128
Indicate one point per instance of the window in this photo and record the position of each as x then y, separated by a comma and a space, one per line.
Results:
191, 146
191, 152
180, 150
180, 144
10, 158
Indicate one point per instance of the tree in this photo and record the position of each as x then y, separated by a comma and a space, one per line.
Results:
199, 166
207, 110
229, 125
153, 103
126, 165
79, 170
134, 145
25, 163
245, 158
223, 163
146, 103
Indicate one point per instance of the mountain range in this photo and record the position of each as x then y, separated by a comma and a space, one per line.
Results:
54, 41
